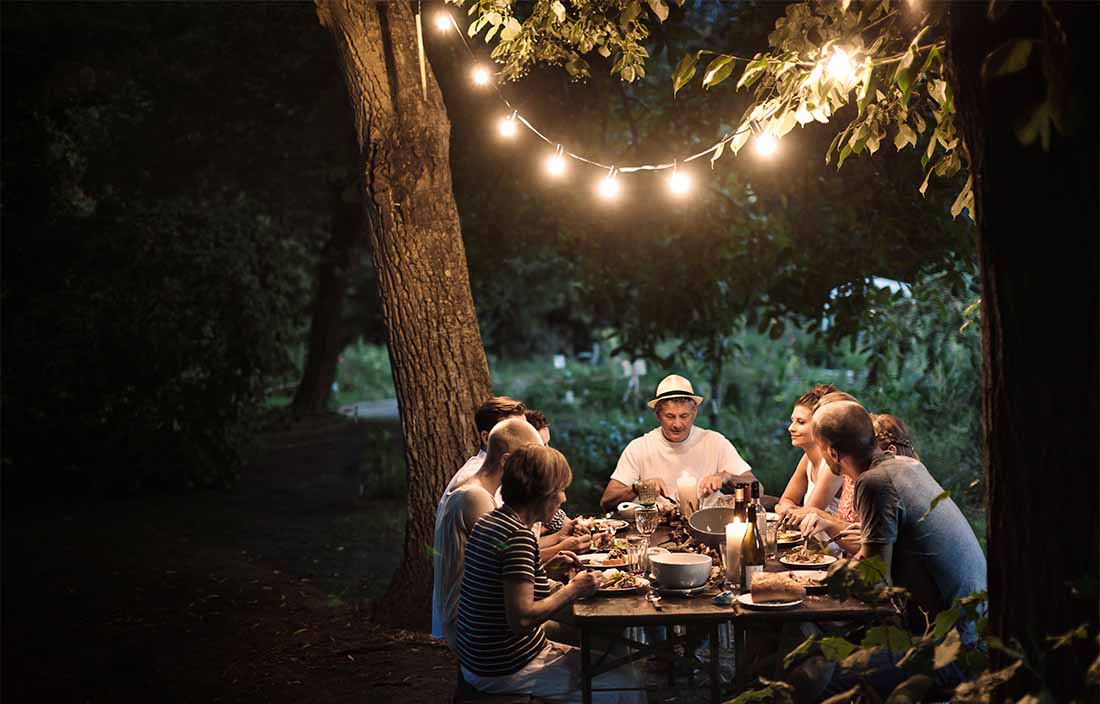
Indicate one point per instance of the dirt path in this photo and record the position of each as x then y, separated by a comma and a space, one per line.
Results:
258, 595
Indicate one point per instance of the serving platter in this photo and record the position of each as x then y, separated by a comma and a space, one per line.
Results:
746, 600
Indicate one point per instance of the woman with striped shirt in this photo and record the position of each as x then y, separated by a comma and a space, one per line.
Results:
506, 594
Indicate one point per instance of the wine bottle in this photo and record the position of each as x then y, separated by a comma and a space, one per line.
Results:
752, 551
761, 512
740, 503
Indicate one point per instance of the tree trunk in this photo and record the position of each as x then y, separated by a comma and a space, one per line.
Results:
1036, 212
326, 337
439, 367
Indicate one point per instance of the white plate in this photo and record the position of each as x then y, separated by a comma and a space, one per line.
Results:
797, 538
818, 575
828, 560
746, 600
612, 524
643, 584
596, 559
657, 551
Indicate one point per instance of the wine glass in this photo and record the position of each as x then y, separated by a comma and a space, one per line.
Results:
646, 519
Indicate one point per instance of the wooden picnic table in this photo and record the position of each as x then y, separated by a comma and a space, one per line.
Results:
606, 614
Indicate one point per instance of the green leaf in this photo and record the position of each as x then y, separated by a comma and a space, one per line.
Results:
860, 659
1038, 125
979, 690
843, 155
933, 55
628, 74
512, 27
684, 72
997, 644
945, 621
905, 136
1011, 57
871, 570
836, 649
659, 8
753, 71
948, 650
903, 79
892, 638
493, 18
718, 70
945, 494
910, 691
630, 14
965, 200
802, 648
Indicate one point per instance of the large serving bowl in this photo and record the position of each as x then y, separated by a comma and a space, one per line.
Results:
680, 570
708, 525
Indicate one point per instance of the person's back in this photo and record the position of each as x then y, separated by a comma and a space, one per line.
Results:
938, 559
458, 512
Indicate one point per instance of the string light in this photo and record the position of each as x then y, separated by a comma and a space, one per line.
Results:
608, 187
507, 126
765, 145
679, 182
442, 21
555, 163
841, 68
481, 76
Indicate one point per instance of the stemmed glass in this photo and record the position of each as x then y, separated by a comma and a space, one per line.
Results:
646, 519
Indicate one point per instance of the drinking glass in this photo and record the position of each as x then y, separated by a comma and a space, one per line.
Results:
637, 552
771, 540
647, 492
646, 519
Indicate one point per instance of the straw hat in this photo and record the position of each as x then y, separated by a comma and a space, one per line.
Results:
674, 386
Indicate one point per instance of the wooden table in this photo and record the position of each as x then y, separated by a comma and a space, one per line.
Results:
603, 613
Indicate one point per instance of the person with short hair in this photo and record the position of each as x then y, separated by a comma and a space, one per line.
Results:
934, 555
459, 510
507, 594
676, 446
486, 417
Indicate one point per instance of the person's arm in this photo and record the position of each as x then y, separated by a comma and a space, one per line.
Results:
796, 488
826, 488
572, 543
524, 612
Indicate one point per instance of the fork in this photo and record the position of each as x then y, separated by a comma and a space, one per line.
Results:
654, 599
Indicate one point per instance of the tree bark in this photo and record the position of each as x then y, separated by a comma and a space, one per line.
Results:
438, 361
1036, 212
326, 336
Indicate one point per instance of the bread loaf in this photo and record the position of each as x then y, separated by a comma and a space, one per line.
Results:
775, 586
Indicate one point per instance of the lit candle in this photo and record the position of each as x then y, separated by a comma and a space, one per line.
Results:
734, 533
687, 493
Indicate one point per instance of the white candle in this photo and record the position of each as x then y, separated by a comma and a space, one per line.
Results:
735, 532
687, 493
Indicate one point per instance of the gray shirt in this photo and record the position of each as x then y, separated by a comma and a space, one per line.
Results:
938, 559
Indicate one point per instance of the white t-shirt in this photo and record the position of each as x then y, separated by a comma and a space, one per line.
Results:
458, 511
651, 456
462, 475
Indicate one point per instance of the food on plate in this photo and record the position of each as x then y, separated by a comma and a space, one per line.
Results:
616, 557
603, 541
788, 536
775, 586
617, 580
810, 580
804, 556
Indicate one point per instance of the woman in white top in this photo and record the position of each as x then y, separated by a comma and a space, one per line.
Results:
812, 486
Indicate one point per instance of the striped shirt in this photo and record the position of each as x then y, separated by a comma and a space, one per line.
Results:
500, 546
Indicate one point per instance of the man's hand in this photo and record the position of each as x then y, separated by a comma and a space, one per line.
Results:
711, 483
811, 524
850, 539
586, 583
577, 543
559, 566
570, 526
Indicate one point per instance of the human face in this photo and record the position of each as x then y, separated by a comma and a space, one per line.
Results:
676, 419
544, 433
553, 503
801, 427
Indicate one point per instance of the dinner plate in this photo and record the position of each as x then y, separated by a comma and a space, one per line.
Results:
596, 559
643, 584
825, 562
612, 524
818, 575
746, 600
669, 591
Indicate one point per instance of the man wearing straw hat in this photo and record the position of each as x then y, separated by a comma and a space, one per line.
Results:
675, 446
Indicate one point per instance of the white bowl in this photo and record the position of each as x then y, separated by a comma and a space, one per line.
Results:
680, 570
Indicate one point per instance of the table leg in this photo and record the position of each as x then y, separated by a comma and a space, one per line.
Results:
715, 676
740, 659
586, 666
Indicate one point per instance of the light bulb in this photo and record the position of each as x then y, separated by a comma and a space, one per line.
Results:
442, 21
481, 76
507, 127
679, 183
555, 165
608, 188
766, 145
841, 68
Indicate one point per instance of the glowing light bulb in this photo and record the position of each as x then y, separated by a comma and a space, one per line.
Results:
608, 188
507, 127
555, 165
841, 68
766, 145
481, 76
442, 21
679, 183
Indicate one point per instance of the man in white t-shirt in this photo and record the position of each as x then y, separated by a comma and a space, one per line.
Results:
675, 446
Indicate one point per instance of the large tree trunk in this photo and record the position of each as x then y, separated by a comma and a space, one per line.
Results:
438, 361
1036, 213
326, 336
